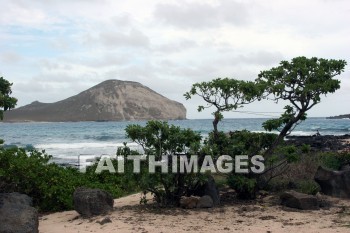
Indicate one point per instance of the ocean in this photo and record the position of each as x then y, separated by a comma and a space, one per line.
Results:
66, 140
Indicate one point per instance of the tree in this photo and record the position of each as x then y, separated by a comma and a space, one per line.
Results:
301, 82
225, 95
6, 101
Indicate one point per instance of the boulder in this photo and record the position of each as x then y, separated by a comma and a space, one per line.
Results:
17, 214
205, 202
297, 200
90, 202
196, 202
334, 183
210, 189
189, 202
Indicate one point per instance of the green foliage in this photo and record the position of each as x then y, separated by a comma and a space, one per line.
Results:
290, 152
239, 143
6, 101
50, 185
334, 160
305, 148
302, 82
33, 175
329, 160
159, 139
225, 94
245, 187
251, 143
308, 187
284, 119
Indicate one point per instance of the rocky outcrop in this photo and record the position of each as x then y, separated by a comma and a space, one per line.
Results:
17, 214
300, 201
334, 183
112, 100
323, 142
90, 202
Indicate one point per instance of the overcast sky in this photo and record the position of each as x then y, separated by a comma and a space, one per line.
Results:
53, 49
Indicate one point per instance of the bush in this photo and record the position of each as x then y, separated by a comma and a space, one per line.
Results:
51, 186
334, 160
239, 143
308, 187
160, 139
244, 186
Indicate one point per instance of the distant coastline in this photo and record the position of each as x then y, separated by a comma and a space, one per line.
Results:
344, 116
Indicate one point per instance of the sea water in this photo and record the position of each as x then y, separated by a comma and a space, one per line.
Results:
66, 140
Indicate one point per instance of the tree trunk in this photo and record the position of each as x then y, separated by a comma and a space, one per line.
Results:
283, 133
215, 124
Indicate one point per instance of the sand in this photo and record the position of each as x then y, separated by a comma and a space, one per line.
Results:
264, 215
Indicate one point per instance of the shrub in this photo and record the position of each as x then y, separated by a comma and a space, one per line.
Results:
239, 143
308, 187
31, 174
244, 186
160, 139
50, 185
334, 160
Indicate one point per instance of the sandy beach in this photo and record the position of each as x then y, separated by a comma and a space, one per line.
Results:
264, 215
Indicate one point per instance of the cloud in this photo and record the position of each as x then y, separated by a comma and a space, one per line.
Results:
197, 15
10, 57
133, 38
123, 20
261, 58
176, 47
313, 19
17, 14
53, 49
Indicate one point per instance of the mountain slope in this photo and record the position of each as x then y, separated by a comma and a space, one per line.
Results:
111, 100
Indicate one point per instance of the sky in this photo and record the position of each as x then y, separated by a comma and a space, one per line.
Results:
53, 49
